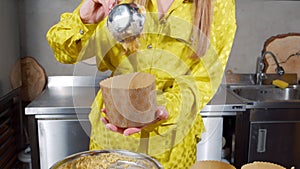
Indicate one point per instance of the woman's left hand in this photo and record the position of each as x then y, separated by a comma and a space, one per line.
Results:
161, 114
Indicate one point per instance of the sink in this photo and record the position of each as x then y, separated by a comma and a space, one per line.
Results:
260, 93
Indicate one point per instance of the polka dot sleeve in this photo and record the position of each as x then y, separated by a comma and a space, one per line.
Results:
68, 37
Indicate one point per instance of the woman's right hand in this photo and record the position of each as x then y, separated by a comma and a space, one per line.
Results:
94, 11
161, 114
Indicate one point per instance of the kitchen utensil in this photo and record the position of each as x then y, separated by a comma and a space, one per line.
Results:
130, 160
125, 22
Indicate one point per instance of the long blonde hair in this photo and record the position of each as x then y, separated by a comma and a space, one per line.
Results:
202, 24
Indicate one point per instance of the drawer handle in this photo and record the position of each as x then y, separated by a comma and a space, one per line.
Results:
262, 139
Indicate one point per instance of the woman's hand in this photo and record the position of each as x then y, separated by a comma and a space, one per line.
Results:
161, 114
94, 11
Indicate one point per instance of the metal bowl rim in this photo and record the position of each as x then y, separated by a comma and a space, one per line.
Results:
97, 152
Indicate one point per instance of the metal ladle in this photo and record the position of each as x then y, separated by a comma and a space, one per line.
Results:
125, 22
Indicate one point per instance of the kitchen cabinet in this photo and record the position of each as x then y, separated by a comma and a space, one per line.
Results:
11, 133
269, 134
219, 117
58, 119
275, 136
55, 133
59, 125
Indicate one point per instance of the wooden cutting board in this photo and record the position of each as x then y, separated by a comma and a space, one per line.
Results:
28, 74
286, 48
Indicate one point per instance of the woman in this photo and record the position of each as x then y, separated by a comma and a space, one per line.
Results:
185, 44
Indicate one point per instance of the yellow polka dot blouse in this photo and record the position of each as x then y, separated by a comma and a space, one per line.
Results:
184, 84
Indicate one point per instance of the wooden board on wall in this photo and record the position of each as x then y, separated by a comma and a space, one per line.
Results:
28, 74
286, 48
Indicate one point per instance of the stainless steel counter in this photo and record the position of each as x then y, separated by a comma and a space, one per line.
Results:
59, 116
63, 101
65, 95
68, 96
224, 103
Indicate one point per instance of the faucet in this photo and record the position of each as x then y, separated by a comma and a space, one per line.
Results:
260, 76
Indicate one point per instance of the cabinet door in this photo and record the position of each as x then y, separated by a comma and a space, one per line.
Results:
60, 138
275, 142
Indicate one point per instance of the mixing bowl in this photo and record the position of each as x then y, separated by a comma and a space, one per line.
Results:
108, 159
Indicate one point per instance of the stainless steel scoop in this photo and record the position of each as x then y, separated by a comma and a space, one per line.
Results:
125, 22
